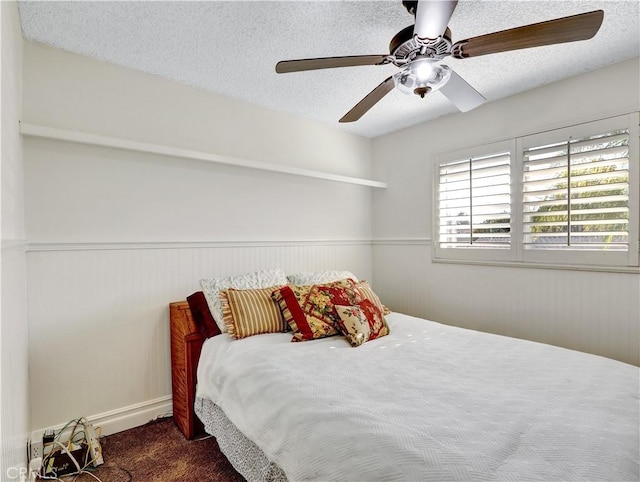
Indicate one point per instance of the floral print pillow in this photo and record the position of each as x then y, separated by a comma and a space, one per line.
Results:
289, 298
361, 323
309, 310
323, 298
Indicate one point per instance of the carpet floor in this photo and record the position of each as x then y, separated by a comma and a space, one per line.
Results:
158, 452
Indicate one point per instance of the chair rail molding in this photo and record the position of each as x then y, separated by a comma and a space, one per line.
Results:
402, 241
133, 245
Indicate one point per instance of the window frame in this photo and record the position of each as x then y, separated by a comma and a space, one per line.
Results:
516, 255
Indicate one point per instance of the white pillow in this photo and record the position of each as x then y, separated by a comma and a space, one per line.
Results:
319, 277
258, 279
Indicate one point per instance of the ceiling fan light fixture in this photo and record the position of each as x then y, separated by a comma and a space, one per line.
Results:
423, 70
421, 76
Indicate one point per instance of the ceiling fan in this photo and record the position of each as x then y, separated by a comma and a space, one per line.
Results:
418, 50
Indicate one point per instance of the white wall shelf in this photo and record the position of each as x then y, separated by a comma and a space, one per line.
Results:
33, 130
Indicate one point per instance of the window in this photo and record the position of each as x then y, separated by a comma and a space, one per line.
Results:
576, 194
474, 199
562, 197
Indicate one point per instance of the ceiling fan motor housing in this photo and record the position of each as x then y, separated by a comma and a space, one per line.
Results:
405, 46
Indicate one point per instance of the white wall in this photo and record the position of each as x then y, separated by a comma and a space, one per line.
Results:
114, 236
14, 396
593, 312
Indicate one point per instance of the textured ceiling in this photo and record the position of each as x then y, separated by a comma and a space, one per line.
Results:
231, 47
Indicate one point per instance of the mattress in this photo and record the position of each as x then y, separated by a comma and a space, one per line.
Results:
427, 402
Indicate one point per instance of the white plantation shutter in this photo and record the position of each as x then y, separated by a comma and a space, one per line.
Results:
474, 199
566, 198
576, 194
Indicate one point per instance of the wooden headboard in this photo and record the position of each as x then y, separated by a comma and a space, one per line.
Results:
186, 344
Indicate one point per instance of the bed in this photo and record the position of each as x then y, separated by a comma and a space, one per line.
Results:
426, 402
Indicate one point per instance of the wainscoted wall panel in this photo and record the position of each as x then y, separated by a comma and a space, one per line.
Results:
587, 311
14, 362
99, 326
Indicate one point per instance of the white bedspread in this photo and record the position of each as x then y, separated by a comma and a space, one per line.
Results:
428, 402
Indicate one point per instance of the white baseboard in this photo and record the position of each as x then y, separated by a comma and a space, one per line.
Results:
124, 418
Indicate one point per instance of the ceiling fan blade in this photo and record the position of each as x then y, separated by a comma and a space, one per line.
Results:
369, 101
432, 17
566, 29
286, 66
461, 94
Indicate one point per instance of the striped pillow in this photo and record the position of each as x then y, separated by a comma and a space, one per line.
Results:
368, 293
251, 312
